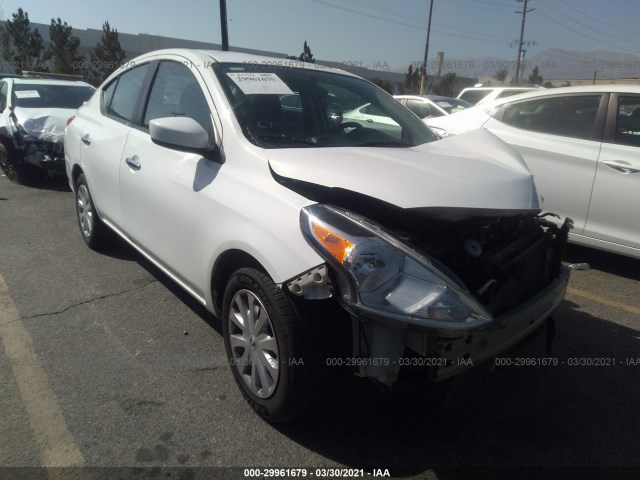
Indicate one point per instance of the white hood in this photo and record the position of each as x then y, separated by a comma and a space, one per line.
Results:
46, 124
473, 171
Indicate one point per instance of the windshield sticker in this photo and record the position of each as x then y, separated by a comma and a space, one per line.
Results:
260, 83
27, 94
444, 104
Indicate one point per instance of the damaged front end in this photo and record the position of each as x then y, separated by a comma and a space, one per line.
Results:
454, 293
37, 138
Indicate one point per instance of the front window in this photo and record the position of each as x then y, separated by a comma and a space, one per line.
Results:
279, 107
38, 95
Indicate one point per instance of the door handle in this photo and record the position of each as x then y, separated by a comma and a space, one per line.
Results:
622, 167
134, 162
369, 120
85, 139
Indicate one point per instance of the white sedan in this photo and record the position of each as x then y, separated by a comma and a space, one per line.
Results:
318, 242
583, 146
429, 106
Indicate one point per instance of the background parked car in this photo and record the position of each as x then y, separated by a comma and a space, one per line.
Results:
583, 146
34, 113
428, 106
369, 115
480, 95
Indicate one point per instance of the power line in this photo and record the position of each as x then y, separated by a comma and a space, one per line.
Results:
587, 26
417, 27
585, 35
597, 20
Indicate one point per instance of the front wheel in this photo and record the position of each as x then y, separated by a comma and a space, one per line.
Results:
264, 336
15, 168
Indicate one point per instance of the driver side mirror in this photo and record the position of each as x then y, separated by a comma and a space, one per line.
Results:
183, 134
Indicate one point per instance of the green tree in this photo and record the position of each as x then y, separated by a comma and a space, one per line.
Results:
386, 86
107, 56
306, 55
21, 46
64, 49
501, 75
411, 83
446, 85
535, 78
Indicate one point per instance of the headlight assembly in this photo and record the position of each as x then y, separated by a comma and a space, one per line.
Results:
388, 278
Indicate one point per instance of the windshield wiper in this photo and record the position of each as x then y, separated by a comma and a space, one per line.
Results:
286, 138
385, 143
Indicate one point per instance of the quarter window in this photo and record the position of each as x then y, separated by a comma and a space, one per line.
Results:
628, 121
571, 116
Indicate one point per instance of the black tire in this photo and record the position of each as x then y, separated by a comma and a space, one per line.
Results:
94, 232
293, 390
15, 168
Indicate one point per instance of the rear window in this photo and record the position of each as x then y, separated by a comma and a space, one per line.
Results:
50, 96
474, 96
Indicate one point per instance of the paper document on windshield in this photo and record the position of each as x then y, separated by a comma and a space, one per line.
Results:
253, 83
27, 94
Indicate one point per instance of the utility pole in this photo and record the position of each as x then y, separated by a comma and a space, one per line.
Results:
524, 16
423, 80
223, 25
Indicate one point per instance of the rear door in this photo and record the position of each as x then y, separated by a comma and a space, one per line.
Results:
614, 215
559, 137
103, 136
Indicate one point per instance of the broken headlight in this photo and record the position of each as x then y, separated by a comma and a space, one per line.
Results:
388, 278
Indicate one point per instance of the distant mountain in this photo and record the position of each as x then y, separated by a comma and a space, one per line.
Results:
554, 64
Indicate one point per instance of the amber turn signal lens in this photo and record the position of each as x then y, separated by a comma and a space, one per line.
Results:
336, 245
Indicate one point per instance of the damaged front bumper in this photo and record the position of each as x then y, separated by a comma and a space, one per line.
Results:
39, 141
444, 353
46, 155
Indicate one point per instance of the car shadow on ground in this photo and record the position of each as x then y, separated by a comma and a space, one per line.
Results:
45, 182
518, 416
581, 412
604, 261
123, 251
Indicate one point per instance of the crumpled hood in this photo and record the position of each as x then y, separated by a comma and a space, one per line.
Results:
46, 124
472, 171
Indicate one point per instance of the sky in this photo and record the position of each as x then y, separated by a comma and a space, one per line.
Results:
369, 33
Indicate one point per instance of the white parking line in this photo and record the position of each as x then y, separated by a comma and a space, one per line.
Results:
57, 446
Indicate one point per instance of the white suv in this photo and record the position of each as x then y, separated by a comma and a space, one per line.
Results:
320, 243
480, 95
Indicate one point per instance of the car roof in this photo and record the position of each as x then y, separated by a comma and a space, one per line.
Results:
218, 56
604, 88
530, 87
46, 81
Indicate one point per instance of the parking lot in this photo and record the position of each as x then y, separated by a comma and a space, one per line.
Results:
104, 362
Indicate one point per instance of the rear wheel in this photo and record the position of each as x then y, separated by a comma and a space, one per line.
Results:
94, 233
264, 337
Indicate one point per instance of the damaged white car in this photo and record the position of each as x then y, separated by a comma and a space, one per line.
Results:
34, 114
319, 242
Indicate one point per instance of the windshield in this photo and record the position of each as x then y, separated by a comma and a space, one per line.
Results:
280, 107
38, 95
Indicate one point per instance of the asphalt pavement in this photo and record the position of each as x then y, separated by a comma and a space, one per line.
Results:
105, 363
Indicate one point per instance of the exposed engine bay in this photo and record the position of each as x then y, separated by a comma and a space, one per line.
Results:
510, 262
